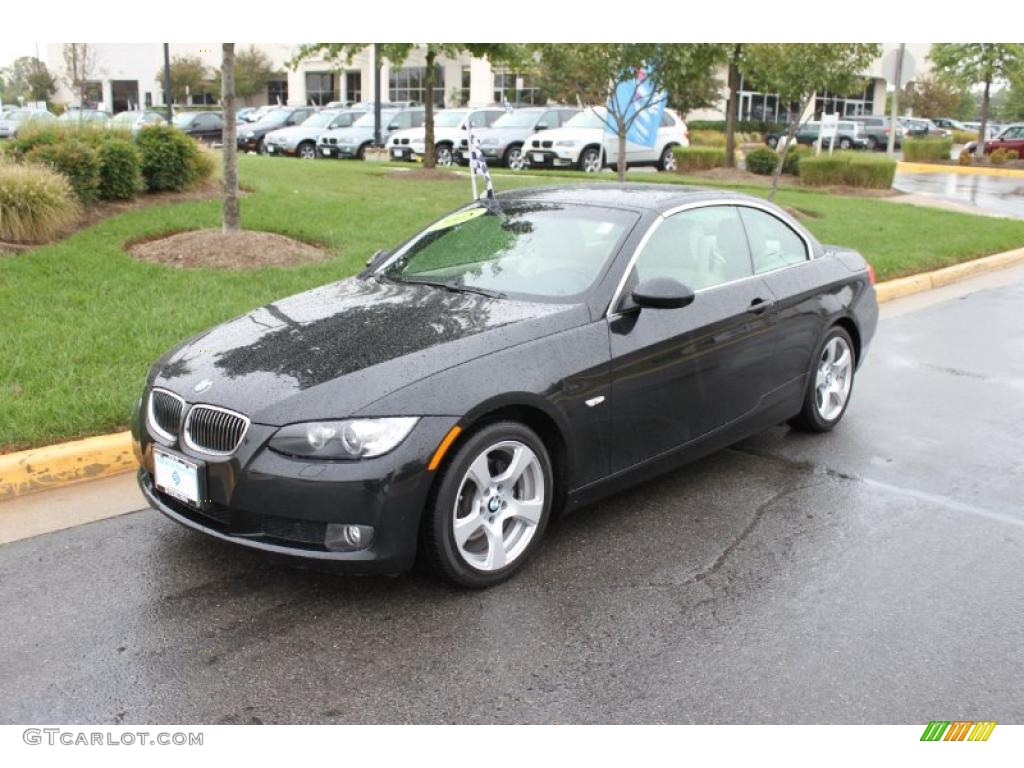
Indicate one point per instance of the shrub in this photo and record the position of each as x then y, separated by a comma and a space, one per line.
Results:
791, 164
36, 203
742, 126
762, 161
120, 169
964, 137
966, 157
698, 158
205, 164
851, 169
170, 161
1012, 154
706, 138
927, 149
998, 157
74, 159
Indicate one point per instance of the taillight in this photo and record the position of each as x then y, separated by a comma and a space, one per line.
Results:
871, 274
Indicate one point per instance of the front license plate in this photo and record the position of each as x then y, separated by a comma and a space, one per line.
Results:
397, 153
176, 476
538, 157
328, 152
270, 148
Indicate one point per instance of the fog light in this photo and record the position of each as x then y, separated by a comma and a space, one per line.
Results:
344, 537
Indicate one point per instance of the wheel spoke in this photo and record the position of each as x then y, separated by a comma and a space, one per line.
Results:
843, 360
466, 527
495, 546
522, 457
480, 473
527, 510
830, 352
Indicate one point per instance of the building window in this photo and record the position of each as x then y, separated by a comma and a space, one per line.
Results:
124, 94
92, 94
277, 91
407, 84
354, 86
149, 99
467, 78
320, 88
855, 104
514, 88
756, 106
205, 94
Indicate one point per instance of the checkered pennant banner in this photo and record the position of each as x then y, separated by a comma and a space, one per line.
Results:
477, 164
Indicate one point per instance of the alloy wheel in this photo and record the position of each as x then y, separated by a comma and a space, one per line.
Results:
834, 378
498, 506
668, 160
516, 161
591, 161
443, 156
307, 151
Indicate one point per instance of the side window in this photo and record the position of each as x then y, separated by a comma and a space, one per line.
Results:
492, 116
550, 119
700, 248
667, 121
773, 244
401, 121
418, 119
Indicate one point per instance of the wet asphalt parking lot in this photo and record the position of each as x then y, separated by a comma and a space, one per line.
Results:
872, 575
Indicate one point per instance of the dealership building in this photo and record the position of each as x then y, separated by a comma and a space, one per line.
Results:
125, 76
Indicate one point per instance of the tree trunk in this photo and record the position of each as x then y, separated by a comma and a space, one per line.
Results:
731, 107
620, 166
428, 116
790, 133
232, 215
979, 150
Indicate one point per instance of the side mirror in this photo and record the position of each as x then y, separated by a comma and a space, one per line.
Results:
378, 258
542, 126
662, 293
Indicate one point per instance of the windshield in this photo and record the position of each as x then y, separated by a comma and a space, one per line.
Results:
366, 121
450, 118
538, 250
319, 119
345, 119
588, 118
517, 120
183, 119
126, 117
276, 116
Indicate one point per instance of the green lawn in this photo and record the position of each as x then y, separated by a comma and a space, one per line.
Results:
82, 320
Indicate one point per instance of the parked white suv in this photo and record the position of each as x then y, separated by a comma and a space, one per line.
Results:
449, 131
584, 142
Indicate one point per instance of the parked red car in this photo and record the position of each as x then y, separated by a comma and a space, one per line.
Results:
1011, 137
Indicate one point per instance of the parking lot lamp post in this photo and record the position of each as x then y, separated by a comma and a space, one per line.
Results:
376, 96
167, 81
891, 148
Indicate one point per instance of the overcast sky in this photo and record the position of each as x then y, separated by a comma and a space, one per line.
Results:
13, 49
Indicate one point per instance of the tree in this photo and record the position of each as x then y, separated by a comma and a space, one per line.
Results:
79, 68
931, 97
227, 94
29, 79
972, 64
188, 75
797, 71
591, 73
1011, 108
253, 71
732, 105
396, 55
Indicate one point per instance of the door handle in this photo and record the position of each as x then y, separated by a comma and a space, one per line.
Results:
759, 305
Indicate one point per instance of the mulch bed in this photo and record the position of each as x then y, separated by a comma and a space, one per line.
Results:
213, 249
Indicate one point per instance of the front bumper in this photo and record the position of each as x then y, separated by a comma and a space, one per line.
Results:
401, 153
493, 154
249, 145
280, 149
549, 158
283, 506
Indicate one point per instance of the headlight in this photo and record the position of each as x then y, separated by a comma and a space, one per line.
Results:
566, 143
351, 439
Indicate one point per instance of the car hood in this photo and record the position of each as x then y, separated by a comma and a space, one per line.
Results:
505, 135
295, 132
334, 350
576, 134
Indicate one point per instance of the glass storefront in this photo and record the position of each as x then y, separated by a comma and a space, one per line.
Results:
407, 84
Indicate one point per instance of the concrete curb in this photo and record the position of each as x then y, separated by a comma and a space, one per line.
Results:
53, 466
967, 170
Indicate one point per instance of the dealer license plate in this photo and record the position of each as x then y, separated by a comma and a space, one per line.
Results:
327, 151
176, 476
538, 157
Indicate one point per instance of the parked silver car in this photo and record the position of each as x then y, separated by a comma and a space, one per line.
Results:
300, 140
502, 142
135, 120
353, 142
17, 118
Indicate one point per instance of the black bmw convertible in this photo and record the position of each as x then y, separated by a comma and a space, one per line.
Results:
522, 355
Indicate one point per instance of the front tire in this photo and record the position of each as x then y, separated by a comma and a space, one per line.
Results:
361, 152
514, 158
830, 384
845, 143
489, 510
261, 147
443, 156
307, 150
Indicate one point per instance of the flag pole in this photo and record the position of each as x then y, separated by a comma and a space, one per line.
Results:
472, 165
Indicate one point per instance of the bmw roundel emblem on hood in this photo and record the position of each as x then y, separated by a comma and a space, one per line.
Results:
202, 386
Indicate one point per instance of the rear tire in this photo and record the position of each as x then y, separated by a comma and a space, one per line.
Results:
488, 511
829, 385
667, 162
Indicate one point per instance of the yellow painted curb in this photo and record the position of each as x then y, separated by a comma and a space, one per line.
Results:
969, 170
926, 281
52, 466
